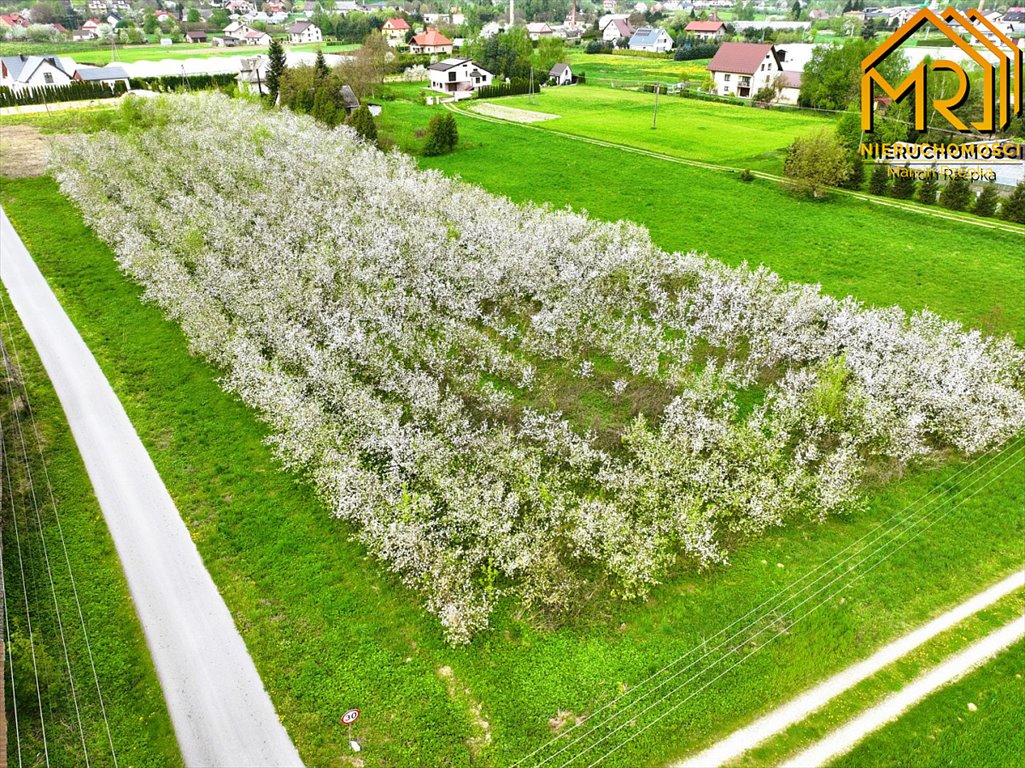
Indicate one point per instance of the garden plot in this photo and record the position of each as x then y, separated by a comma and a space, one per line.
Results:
410, 339
513, 114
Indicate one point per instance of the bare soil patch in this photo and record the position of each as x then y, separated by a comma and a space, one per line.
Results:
513, 114
24, 151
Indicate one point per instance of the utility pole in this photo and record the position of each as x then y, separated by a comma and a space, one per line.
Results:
654, 115
531, 85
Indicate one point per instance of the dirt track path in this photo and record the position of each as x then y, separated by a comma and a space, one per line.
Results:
796, 710
221, 713
844, 738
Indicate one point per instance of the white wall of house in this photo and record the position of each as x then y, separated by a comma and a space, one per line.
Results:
45, 75
311, 34
458, 78
745, 84
662, 44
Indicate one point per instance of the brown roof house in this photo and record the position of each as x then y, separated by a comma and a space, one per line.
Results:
743, 69
431, 41
706, 30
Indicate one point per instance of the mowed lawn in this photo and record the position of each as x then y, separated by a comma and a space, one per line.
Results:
725, 134
330, 628
877, 254
609, 69
943, 731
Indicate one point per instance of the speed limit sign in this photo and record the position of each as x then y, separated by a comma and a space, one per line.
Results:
349, 717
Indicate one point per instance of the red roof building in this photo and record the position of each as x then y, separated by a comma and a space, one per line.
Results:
431, 41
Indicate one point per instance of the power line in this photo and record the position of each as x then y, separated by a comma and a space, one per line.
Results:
60, 530
3, 591
980, 465
42, 538
814, 608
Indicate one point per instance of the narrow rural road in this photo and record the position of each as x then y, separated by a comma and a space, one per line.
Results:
844, 738
221, 713
796, 710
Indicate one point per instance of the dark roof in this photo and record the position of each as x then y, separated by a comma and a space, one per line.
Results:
743, 58
625, 30
558, 69
791, 78
299, 27
447, 64
349, 99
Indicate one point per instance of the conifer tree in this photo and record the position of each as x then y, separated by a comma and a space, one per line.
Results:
275, 69
904, 185
879, 180
986, 203
929, 188
956, 194
363, 123
1013, 208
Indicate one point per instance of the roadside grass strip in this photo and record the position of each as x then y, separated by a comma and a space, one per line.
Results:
778, 720
975, 722
846, 737
595, 738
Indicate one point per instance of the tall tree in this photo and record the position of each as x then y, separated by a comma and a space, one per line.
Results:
363, 123
879, 180
929, 187
986, 203
275, 69
1013, 208
320, 65
956, 194
815, 163
904, 185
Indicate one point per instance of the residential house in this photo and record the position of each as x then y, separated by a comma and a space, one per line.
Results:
252, 75
97, 6
239, 7
706, 30
430, 42
490, 29
395, 31
538, 29
195, 36
618, 29
607, 19
79, 35
742, 69
236, 29
164, 17
652, 39
791, 90
19, 72
304, 32
12, 20
608, 5
459, 77
109, 75
92, 25
256, 37
561, 74
345, 7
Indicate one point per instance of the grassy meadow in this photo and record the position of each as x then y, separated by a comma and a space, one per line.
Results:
140, 727
741, 137
942, 731
610, 69
329, 628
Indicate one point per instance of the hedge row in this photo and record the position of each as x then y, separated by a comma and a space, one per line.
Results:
503, 89
181, 83
46, 94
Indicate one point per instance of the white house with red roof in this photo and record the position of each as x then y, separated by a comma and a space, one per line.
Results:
706, 30
395, 31
431, 41
742, 69
11, 20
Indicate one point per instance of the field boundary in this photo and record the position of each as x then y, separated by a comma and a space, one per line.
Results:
781, 718
998, 225
844, 738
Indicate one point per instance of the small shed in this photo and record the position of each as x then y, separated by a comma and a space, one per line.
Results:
561, 74
195, 36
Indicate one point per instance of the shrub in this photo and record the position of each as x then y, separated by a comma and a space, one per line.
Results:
856, 175
815, 163
746, 175
442, 135
363, 123
929, 188
1013, 208
986, 203
904, 185
956, 194
879, 181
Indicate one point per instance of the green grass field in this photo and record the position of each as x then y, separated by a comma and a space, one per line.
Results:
879, 255
91, 53
942, 732
609, 69
741, 137
139, 724
330, 629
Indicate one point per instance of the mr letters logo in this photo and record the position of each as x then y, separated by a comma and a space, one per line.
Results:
1002, 80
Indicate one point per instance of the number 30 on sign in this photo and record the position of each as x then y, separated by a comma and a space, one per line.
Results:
349, 717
